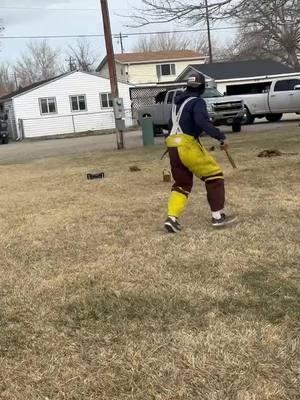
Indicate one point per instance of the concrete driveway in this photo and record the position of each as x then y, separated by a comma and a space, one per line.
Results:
26, 151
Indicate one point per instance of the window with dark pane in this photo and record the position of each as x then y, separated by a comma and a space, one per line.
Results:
82, 103
48, 105
51, 105
173, 69
285, 85
106, 100
44, 106
166, 69
78, 103
170, 98
74, 102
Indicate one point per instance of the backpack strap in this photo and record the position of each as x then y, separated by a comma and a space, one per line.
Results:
176, 117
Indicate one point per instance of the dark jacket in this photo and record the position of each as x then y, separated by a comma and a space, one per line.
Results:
195, 120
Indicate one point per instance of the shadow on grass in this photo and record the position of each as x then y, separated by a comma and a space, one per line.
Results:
265, 297
161, 311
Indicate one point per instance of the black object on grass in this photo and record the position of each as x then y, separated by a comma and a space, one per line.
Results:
99, 175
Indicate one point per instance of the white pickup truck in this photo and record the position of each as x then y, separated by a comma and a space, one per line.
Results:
272, 99
222, 110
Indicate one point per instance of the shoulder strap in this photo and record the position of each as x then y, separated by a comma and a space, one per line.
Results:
176, 117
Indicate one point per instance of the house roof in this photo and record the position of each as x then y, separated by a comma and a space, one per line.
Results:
154, 56
240, 69
29, 87
157, 56
41, 83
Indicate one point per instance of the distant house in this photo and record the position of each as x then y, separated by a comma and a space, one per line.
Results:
70, 103
239, 76
152, 67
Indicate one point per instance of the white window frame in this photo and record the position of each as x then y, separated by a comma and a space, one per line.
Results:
107, 95
172, 68
71, 105
47, 99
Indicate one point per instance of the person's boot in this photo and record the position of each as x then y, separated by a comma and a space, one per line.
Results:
172, 225
224, 221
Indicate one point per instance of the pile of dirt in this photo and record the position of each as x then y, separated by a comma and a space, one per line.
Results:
270, 153
274, 153
134, 168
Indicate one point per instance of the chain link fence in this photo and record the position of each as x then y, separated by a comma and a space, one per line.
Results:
71, 124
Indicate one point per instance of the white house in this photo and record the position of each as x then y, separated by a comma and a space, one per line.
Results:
70, 103
152, 67
240, 77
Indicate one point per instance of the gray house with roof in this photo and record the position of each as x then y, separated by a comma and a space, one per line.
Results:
239, 77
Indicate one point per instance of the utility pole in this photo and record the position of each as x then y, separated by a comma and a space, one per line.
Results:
71, 61
120, 38
16, 80
111, 63
208, 32
121, 43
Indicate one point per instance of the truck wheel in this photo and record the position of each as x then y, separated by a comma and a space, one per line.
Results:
274, 117
5, 140
249, 118
236, 127
158, 130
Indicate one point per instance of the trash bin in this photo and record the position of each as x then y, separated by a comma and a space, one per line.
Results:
148, 132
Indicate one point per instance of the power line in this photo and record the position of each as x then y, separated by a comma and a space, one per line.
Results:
47, 9
127, 34
54, 9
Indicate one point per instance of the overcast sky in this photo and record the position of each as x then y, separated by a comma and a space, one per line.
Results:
60, 17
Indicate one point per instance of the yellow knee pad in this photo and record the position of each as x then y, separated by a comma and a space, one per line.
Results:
177, 204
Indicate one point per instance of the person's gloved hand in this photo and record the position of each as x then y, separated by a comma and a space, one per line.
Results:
224, 146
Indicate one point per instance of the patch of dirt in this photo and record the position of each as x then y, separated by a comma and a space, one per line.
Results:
274, 153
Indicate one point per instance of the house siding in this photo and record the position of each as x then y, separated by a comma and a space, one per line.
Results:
27, 107
146, 72
104, 73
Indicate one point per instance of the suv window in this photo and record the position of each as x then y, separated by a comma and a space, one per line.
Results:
282, 86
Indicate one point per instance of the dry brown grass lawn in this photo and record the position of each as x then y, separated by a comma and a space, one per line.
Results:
97, 302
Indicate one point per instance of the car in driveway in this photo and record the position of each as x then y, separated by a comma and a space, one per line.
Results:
4, 129
222, 110
270, 99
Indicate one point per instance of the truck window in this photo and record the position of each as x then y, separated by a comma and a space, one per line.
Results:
248, 88
211, 92
160, 97
170, 97
286, 85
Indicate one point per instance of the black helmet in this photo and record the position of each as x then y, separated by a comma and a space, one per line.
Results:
196, 83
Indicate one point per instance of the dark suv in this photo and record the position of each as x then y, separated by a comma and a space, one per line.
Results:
4, 129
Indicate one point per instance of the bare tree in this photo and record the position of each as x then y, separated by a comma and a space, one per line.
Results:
171, 41
39, 63
6, 82
269, 29
190, 12
1, 29
242, 48
84, 55
177, 41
